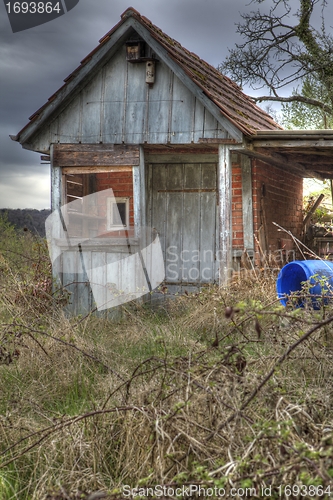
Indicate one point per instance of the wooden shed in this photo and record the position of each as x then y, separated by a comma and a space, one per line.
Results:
183, 148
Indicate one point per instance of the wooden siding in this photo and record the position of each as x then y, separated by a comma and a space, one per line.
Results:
118, 106
182, 206
98, 155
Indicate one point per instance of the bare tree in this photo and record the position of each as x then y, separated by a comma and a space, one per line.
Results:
277, 53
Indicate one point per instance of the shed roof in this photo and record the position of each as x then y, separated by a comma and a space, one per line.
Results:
227, 96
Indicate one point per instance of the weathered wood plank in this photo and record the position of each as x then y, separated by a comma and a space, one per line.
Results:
209, 176
56, 186
180, 73
115, 94
88, 72
190, 232
93, 154
69, 123
225, 235
94, 170
182, 114
91, 110
158, 126
135, 106
292, 144
207, 237
173, 236
179, 158
216, 140
158, 203
84, 298
99, 148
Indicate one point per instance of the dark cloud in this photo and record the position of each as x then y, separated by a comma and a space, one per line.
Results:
34, 62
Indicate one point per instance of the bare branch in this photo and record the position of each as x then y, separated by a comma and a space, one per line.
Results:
297, 98
276, 53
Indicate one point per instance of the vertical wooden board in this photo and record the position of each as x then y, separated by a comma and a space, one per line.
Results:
225, 214
210, 126
113, 276
199, 121
114, 93
97, 277
192, 176
56, 187
217, 240
42, 141
175, 176
131, 273
91, 110
160, 106
190, 251
84, 294
158, 214
209, 171
182, 121
208, 237
69, 123
136, 97
174, 217
54, 131
69, 279
221, 132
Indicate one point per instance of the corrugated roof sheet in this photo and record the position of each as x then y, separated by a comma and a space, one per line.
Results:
226, 94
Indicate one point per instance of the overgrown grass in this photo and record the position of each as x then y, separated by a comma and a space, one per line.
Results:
200, 392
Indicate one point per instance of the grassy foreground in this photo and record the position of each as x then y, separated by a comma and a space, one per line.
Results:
224, 389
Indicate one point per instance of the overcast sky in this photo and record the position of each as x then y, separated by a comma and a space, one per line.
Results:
34, 62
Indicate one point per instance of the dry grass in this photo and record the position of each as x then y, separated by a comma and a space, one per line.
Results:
165, 397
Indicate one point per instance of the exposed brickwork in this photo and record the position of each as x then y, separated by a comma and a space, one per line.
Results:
237, 205
279, 195
122, 186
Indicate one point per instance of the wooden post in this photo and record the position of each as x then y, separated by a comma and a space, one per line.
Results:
56, 184
225, 233
56, 195
247, 203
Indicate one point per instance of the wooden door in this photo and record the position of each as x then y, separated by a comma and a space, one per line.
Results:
183, 209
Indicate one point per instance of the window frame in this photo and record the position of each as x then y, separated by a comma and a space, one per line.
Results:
111, 201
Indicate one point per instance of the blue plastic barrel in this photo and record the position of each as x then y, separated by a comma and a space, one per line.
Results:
293, 275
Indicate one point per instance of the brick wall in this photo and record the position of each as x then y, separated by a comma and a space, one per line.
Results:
237, 204
279, 195
122, 186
